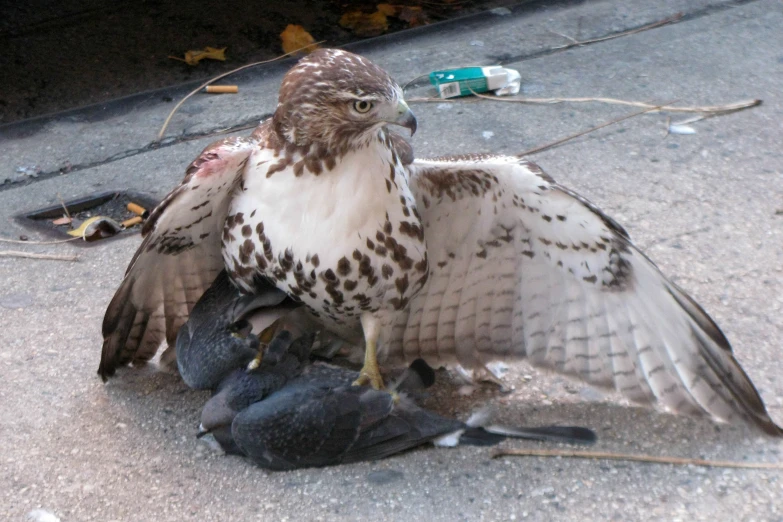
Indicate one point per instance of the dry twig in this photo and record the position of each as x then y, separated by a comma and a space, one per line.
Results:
31, 255
21, 242
221, 131
574, 43
578, 134
65, 208
709, 109
655, 459
220, 76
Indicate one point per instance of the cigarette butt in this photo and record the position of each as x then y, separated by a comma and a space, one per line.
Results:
138, 210
65, 220
132, 221
222, 89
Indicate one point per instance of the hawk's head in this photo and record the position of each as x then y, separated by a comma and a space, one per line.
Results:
336, 98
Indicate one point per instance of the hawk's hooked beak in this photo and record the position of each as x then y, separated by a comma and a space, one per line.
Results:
405, 117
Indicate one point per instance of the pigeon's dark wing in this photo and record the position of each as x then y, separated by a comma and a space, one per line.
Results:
301, 426
521, 267
179, 257
216, 339
407, 426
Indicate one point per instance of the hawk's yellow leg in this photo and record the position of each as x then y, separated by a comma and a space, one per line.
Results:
370, 372
263, 341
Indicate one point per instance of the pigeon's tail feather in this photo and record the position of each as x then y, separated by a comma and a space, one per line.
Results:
567, 434
416, 377
491, 435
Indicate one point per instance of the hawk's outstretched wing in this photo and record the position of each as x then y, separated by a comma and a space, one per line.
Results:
178, 259
522, 267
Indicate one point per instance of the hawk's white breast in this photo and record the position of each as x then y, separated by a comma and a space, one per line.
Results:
343, 241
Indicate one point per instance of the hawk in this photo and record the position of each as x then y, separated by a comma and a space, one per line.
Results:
460, 259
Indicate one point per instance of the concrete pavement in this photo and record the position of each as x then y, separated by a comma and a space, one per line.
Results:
706, 207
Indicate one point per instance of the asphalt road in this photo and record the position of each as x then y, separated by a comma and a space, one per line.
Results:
705, 206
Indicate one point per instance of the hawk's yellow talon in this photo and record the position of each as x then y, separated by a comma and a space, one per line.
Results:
368, 378
256, 362
370, 374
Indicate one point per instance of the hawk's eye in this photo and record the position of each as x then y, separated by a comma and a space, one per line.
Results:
362, 106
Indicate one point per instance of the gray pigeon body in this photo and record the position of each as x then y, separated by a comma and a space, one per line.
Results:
224, 341
290, 412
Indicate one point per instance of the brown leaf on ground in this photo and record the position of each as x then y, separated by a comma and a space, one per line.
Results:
388, 9
295, 37
209, 53
365, 25
95, 228
413, 15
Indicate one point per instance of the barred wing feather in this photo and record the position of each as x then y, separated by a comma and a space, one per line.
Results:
521, 267
178, 259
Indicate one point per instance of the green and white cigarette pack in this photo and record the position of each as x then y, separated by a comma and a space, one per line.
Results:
467, 80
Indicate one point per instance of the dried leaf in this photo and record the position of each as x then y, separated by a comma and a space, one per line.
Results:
387, 9
295, 37
365, 25
95, 228
413, 15
209, 53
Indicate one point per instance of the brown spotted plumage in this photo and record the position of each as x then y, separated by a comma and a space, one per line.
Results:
461, 259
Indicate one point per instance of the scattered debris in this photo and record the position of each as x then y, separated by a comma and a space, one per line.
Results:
574, 43
65, 220
221, 89
295, 39
500, 11
66, 168
132, 222
373, 24
65, 209
41, 515
681, 129
705, 111
414, 16
209, 53
709, 110
471, 80
465, 390
97, 227
498, 369
28, 170
138, 210
220, 76
26, 240
654, 459
542, 148
366, 25
31, 255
